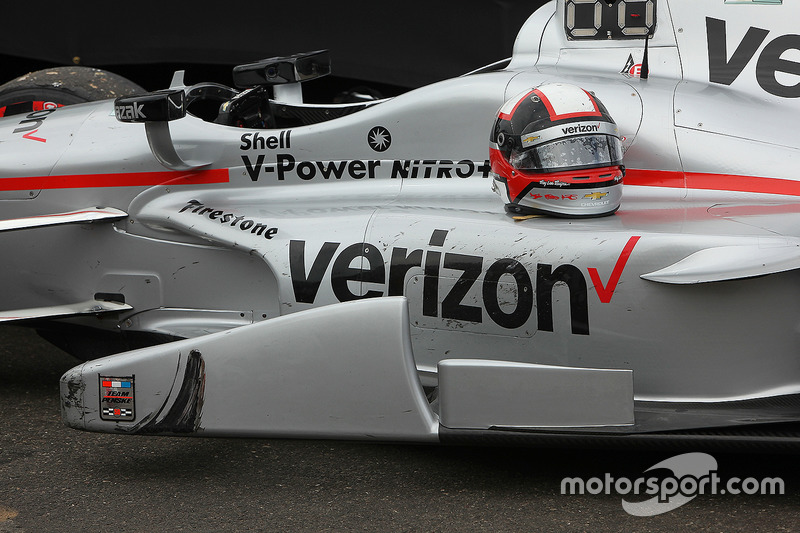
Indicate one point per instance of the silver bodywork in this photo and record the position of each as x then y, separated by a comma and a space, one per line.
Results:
679, 312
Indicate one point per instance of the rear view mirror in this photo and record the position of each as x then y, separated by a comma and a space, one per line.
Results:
159, 106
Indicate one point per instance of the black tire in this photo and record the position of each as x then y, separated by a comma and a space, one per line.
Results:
53, 87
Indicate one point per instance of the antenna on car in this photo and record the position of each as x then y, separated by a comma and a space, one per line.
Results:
645, 62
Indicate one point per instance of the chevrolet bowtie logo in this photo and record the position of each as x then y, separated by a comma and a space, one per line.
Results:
595, 195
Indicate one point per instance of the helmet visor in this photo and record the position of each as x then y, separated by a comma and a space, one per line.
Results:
584, 151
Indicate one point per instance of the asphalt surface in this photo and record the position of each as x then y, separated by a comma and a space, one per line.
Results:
56, 479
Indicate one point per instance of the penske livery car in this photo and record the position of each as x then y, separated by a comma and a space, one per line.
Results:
596, 241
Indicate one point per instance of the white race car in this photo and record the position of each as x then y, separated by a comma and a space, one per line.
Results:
461, 263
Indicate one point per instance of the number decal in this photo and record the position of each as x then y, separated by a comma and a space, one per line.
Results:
609, 19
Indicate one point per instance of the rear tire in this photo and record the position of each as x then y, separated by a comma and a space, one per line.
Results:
59, 86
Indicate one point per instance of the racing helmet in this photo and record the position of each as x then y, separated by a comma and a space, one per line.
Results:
555, 150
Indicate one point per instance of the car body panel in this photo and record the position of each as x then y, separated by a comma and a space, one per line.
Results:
688, 292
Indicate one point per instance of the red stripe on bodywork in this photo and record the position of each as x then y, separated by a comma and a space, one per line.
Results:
655, 178
644, 178
125, 179
712, 182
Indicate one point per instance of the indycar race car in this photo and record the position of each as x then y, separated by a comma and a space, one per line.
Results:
461, 263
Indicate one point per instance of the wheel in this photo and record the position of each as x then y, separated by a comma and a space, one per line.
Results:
59, 86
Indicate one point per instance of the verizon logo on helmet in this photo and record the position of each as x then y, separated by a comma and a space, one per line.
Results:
581, 128
131, 111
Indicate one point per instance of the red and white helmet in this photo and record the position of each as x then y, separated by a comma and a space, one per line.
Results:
555, 150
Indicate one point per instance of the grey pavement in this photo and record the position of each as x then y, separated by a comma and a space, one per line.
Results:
56, 479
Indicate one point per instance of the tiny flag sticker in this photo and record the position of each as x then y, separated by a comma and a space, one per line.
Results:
116, 398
